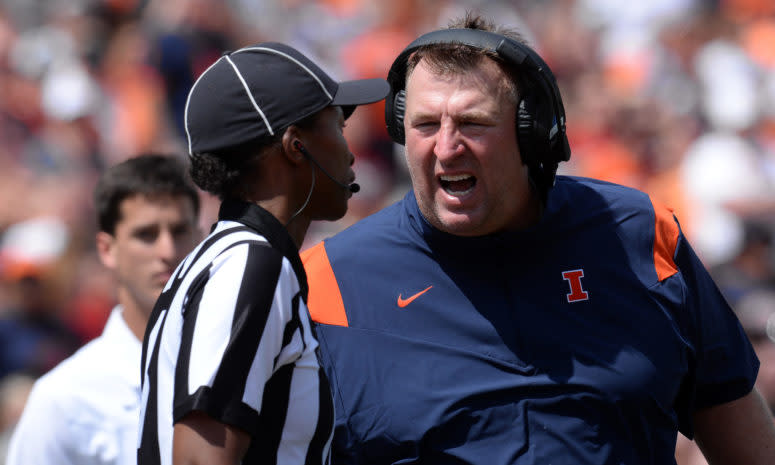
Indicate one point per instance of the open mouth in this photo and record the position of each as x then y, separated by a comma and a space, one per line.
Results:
457, 185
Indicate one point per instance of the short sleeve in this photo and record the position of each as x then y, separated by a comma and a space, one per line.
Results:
234, 335
725, 364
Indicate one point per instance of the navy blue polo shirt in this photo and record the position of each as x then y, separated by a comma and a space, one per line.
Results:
590, 338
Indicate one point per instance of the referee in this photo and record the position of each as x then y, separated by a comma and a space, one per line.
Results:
230, 372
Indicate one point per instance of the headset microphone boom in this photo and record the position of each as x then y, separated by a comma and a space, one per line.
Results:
354, 187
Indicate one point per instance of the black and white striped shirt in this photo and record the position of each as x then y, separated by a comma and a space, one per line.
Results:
230, 336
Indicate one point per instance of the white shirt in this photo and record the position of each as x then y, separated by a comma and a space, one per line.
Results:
86, 410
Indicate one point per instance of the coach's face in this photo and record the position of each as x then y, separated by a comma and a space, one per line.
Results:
462, 152
151, 237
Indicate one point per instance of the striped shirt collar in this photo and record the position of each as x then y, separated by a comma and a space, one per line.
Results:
267, 225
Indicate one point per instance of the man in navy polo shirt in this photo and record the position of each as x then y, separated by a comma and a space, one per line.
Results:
500, 314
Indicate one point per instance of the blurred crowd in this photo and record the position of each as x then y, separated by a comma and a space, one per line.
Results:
673, 97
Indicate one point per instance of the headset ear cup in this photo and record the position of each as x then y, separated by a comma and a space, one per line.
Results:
533, 131
525, 131
399, 108
535, 145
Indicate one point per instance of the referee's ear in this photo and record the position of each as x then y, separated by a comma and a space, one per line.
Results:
290, 142
106, 249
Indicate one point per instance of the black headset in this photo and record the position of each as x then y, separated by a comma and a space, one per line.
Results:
541, 132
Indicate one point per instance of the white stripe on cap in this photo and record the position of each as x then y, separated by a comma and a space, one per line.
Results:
250, 95
290, 58
188, 99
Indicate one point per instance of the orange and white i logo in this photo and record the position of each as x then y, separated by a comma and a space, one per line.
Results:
577, 293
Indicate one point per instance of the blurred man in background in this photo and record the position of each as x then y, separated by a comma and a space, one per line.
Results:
85, 411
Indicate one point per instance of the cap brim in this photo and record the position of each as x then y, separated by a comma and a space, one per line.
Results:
353, 93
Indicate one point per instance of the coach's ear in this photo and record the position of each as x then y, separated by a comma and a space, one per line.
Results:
106, 249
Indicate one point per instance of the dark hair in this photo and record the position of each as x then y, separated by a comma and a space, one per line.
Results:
472, 20
228, 173
146, 174
454, 58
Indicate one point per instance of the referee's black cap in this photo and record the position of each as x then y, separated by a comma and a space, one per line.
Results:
260, 90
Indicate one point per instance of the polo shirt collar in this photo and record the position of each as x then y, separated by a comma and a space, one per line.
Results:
474, 246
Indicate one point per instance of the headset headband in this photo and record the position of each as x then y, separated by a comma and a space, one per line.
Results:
511, 51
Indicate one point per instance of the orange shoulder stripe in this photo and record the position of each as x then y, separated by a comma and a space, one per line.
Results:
324, 300
665, 241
